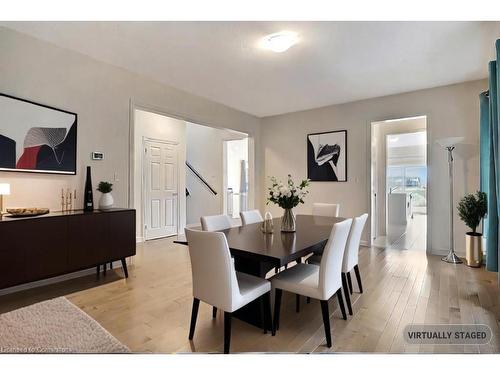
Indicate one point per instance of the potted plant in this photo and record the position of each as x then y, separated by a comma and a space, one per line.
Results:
287, 196
472, 208
106, 201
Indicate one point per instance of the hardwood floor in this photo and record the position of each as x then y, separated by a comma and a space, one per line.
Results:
150, 311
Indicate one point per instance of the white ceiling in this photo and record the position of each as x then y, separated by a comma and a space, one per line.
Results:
334, 62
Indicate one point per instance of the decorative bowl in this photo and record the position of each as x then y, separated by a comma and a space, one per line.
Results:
23, 212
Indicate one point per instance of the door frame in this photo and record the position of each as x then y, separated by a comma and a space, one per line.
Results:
145, 140
369, 132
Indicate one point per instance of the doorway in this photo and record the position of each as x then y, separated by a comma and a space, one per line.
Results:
214, 181
177, 172
235, 177
399, 183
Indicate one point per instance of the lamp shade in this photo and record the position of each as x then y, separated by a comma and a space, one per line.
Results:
4, 189
449, 141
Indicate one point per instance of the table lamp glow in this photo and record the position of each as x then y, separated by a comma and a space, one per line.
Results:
4, 190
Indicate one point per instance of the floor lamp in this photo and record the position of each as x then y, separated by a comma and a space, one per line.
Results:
449, 144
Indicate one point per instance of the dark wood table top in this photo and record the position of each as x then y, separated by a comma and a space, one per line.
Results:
279, 248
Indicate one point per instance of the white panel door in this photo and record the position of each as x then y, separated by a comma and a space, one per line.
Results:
161, 191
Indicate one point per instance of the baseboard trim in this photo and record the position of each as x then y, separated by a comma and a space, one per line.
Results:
364, 243
58, 279
139, 239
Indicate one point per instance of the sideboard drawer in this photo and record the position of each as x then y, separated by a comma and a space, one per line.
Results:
45, 244
88, 240
12, 256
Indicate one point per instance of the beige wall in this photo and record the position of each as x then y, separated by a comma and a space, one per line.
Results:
450, 110
102, 95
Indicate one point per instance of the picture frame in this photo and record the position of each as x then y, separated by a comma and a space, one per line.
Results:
327, 156
36, 138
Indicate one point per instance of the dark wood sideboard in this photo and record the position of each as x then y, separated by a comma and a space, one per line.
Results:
36, 248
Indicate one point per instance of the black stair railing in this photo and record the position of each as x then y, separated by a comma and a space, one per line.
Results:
200, 177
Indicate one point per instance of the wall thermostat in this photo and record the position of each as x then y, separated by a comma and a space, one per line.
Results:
96, 155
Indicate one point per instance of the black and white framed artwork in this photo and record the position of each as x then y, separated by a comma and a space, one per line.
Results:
327, 156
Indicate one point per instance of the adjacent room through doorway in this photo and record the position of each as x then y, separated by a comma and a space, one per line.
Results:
235, 176
182, 171
216, 173
399, 183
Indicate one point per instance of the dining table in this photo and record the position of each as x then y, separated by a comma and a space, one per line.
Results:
256, 253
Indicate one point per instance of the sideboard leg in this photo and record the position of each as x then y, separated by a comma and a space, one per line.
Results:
124, 266
98, 269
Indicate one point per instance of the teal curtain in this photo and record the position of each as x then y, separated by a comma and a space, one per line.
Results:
490, 161
494, 122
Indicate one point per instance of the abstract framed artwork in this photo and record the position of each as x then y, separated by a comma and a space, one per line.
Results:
327, 156
36, 138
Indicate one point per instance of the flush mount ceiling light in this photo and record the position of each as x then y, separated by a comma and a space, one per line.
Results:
280, 42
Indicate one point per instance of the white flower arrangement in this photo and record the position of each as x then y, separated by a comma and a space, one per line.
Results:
287, 195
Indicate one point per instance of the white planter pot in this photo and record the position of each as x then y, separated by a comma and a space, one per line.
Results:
106, 201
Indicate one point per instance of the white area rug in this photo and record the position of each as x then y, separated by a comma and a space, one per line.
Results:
54, 326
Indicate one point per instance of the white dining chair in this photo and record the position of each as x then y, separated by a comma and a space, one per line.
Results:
351, 257
251, 217
216, 282
350, 260
319, 282
215, 223
326, 209
320, 209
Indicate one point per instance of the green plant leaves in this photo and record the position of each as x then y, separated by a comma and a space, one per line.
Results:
472, 209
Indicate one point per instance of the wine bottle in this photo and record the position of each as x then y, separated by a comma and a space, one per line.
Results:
88, 199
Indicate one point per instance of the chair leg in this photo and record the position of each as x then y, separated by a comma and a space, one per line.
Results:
214, 312
308, 299
267, 311
276, 269
98, 269
349, 281
358, 278
341, 304
227, 331
326, 323
262, 312
194, 315
297, 303
346, 293
277, 306
104, 266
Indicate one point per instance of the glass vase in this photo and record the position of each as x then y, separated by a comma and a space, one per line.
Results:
288, 221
